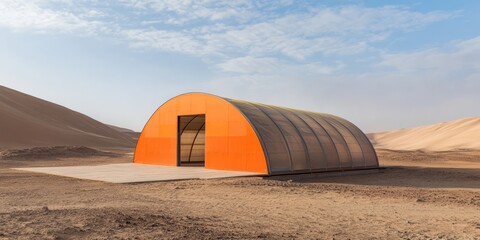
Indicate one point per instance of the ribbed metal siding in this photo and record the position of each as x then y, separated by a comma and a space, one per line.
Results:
302, 141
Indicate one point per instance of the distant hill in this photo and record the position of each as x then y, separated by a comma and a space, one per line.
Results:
131, 133
27, 121
459, 134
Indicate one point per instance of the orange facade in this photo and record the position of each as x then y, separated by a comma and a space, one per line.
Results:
230, 141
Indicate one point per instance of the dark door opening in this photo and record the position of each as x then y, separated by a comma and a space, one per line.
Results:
191, 140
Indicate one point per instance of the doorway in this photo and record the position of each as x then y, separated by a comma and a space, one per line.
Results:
191, 140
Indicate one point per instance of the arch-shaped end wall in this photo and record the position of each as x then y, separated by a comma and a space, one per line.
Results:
230, 141
253, 137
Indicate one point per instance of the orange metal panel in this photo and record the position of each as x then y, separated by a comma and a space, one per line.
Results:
230, 141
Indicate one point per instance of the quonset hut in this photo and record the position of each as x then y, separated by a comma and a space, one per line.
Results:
226, 134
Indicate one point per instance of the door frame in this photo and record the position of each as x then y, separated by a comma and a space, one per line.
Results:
179, 137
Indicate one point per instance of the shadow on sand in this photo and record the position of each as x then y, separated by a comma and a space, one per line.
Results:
397, 176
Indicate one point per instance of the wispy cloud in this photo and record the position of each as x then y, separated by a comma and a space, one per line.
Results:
250, 38
461, 56
164, 40
273, 66
402, 90
186, 11
250, 65
245, 37
341, 30
224, 28
42, 17
337, 58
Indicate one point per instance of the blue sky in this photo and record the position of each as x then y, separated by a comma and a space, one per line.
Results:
380, 64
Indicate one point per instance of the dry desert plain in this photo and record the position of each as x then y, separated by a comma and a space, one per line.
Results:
429, 194
419, 195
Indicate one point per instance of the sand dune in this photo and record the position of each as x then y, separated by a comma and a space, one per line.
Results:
27, 121
446, 136
131, 133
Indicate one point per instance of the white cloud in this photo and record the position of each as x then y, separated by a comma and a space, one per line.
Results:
238, 36
355, 19
184, 11
163, 40
250, 65
342, 30
230, 29
462, 57
306, 56
404, 90
34, 15
272, 66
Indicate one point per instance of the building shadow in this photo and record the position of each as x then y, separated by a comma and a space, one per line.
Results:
395, 176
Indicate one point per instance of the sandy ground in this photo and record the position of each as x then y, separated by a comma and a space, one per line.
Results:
419, 196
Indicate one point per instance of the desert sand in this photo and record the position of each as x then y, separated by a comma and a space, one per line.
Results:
420, 194
460, 134
27, 121
410, 199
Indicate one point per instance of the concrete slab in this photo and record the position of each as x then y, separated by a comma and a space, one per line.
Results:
134, 173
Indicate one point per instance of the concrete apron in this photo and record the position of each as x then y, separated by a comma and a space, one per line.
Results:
135, 173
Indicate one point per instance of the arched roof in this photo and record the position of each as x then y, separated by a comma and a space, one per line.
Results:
302, 141
247, 136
